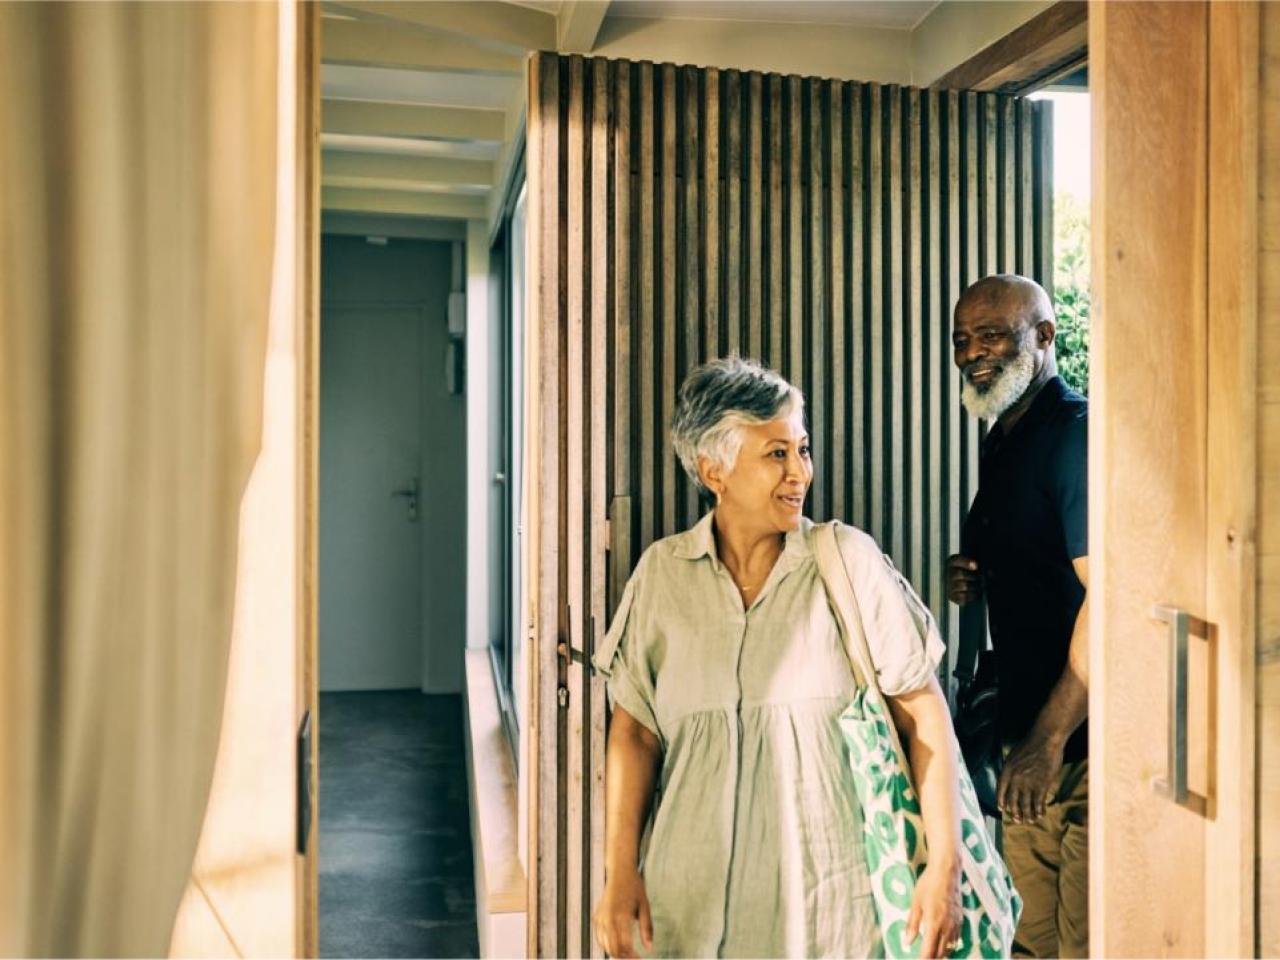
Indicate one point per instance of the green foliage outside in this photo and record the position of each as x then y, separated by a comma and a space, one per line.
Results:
1071, 288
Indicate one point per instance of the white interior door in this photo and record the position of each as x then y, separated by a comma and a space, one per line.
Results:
370, 483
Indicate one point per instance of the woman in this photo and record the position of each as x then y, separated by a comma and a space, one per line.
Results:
727, 673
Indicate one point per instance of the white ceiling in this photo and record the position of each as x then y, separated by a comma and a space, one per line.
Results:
408, 85
899, 14
341, 82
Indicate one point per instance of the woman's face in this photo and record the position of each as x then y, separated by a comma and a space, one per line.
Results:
768, 482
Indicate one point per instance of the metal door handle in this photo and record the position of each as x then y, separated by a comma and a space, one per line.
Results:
1174, 785
411, 492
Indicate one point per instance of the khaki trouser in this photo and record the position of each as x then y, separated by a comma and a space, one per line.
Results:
1049, 860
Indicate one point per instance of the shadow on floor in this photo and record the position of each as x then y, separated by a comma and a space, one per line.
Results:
396, 876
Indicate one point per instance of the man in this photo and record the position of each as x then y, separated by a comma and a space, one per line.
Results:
1025, 547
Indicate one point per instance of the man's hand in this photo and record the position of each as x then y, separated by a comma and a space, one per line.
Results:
1029, 777
964, 583
623, 904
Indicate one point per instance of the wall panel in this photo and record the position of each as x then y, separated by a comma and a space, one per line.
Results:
824, 227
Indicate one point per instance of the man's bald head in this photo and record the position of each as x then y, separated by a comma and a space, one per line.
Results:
1002, 340
1024, 295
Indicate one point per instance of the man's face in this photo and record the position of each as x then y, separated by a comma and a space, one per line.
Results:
998, 351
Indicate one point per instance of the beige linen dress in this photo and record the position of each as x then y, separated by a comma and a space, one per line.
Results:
754, 845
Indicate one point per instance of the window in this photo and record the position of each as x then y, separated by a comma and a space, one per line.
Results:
507, 278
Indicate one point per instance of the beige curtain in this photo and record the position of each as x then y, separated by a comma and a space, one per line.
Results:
137, 204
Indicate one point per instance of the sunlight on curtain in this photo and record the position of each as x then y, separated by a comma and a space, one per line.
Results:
137, 218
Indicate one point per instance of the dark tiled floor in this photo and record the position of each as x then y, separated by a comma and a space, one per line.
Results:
396, 877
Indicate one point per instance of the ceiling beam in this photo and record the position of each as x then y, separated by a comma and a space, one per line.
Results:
507, 27
578, 24
364, 118
476, 173
377, 44
402, 203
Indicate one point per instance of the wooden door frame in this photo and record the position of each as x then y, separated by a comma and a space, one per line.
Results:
1229, 285
1230, 593
307, 273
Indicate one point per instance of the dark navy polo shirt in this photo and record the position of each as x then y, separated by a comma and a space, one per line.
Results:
1028, 521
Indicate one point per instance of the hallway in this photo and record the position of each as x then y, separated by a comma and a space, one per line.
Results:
396, 877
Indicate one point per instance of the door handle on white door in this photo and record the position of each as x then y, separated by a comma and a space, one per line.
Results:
411, 494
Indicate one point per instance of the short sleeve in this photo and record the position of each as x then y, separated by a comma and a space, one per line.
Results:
905, 645
1069, 486
621, 661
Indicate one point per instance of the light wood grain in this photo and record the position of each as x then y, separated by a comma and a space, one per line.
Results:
668, 355
576, 910
597, 406
818, 315
1148, 436
1231, 521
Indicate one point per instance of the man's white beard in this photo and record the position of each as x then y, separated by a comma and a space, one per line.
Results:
1001, 393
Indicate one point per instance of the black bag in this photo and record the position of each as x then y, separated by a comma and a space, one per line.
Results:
977, 723
977, 713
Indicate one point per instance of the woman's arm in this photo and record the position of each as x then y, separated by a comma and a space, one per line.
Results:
924, 723
631, 770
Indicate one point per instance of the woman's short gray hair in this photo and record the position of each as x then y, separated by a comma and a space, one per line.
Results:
716, 401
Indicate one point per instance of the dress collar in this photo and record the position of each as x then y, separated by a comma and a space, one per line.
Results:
700, 541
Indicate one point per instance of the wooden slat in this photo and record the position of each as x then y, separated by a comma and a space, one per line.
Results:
755, 203
1008, 186
732, 119
670, 186
794, 367
620, 346
974, 265
1042, 203
1025, 209
691, 215
989, 188
857, 443
544, 873
877, 356
575, 519
711, 212
646, 409
955, 273
915, 346
819, 304
776, 249
895, 372
841, 434
937, 353
597, 406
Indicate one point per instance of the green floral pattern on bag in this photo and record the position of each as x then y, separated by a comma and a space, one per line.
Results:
893, 837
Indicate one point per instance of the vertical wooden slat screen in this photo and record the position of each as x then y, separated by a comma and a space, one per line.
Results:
824, 227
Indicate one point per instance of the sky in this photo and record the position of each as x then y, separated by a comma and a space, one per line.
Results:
1070, 142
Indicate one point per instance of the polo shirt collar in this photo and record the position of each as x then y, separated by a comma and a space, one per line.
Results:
1049, 396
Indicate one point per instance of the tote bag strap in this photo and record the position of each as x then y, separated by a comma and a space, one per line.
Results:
840, 592
844, 601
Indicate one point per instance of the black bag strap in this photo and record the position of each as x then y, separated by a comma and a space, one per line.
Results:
973, 641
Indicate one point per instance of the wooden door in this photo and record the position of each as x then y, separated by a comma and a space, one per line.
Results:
1172, 478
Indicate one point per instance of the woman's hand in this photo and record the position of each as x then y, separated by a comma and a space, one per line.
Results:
624, 901
935, 909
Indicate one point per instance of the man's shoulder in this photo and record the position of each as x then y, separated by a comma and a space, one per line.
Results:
1069, 414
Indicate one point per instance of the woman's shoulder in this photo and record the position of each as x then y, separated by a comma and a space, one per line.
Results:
855, 543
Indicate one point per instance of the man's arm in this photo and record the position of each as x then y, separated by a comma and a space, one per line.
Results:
1032, 767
